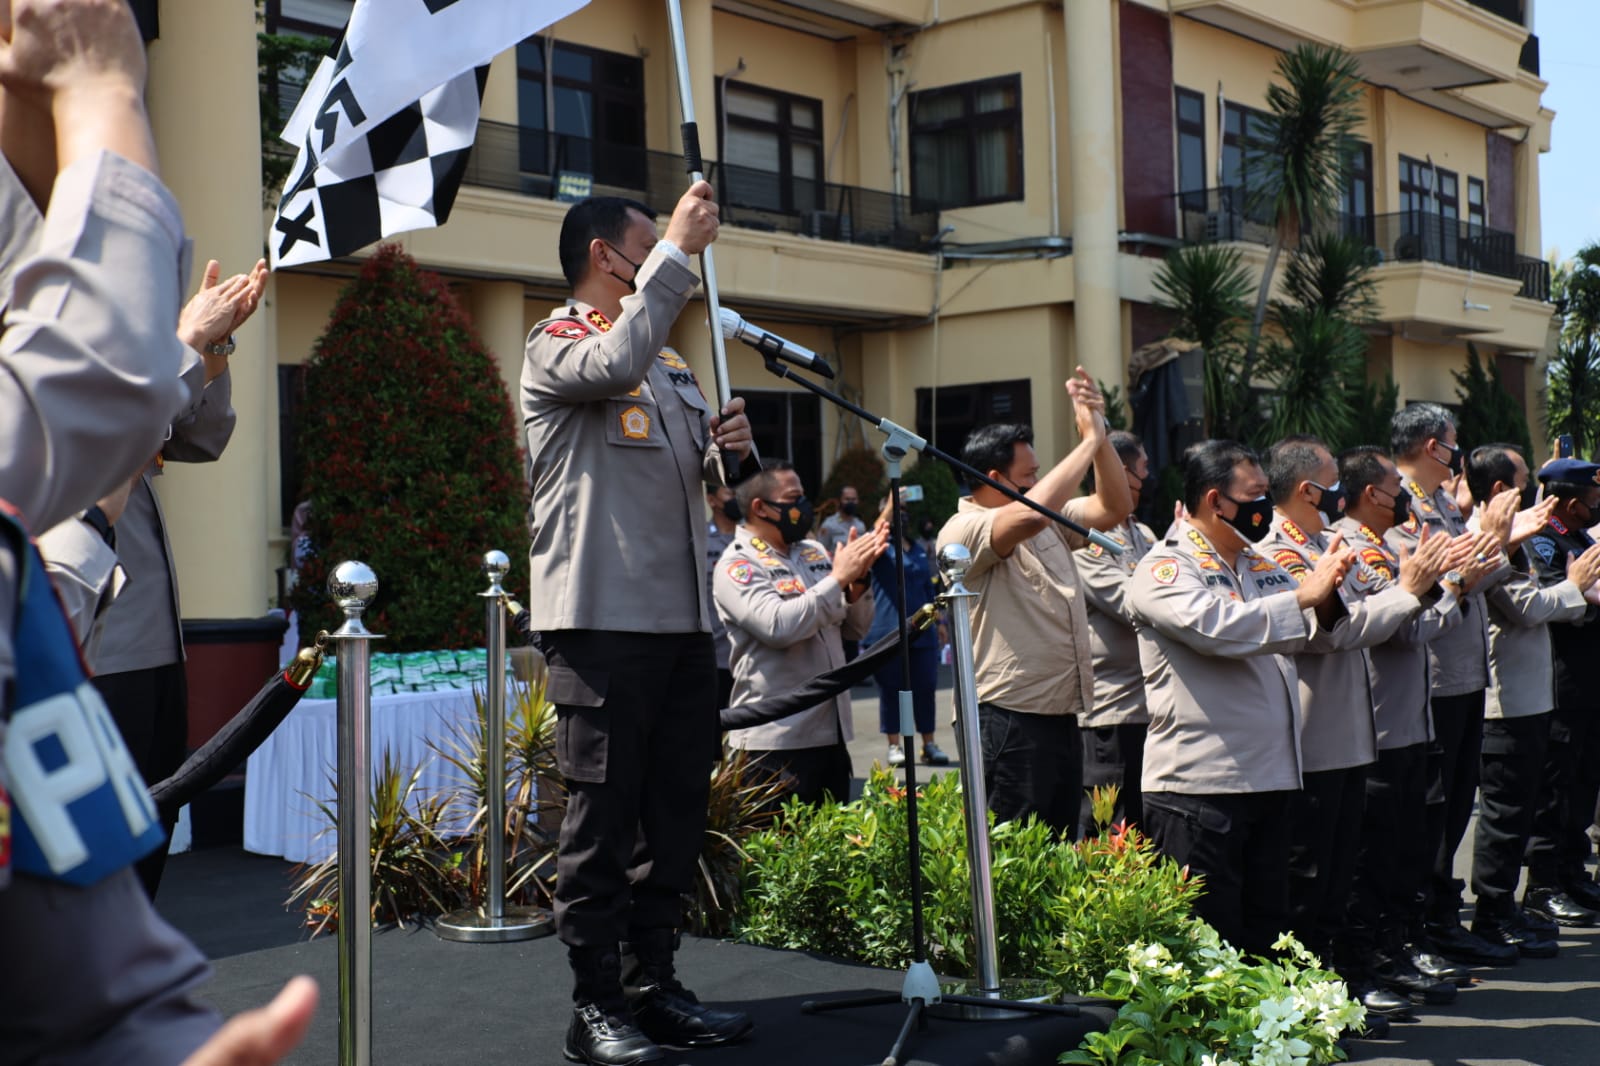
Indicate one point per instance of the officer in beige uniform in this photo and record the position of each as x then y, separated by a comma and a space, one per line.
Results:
620, 445
1516, 726
787, 607
1216, 639
1338, 736
1114, 725
1030, 628
1423, 442
1383, 927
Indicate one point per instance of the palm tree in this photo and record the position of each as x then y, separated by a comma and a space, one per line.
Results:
1572, 396
1207, 288
1296, 169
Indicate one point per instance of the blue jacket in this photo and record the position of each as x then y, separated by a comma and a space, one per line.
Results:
920, 589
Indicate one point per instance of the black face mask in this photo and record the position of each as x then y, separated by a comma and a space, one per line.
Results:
1252, 518
1330, 501
794, 519
1530, 496
629, 282
1400, 506
929, 531
730, 509
850, 507
1454, 465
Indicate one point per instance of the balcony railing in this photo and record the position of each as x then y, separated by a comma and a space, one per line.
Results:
530, 162
1225, 214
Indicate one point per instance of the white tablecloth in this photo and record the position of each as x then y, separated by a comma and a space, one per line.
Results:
296, 766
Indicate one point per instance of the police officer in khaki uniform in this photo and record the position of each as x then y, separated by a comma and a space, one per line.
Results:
1338, 736
1383, 927
787, 607
1516, 724
1114, 727
620, 443
1423, 443
1223, 753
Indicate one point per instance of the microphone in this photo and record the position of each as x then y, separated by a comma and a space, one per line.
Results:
771, 345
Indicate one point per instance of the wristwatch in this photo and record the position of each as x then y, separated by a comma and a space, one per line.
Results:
96, 519
224, 349
1455, 577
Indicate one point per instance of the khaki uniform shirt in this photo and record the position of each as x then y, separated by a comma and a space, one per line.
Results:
786, 616
1118, 675
1337, 727
1459, 658
144, 627
1030, 625
835, 530
619, 445
1522, 680
1219, 677
1398, 668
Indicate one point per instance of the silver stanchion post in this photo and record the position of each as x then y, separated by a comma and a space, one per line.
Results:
494, 921
352, 586
954, 561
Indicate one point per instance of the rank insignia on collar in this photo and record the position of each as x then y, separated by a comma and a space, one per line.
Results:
1198, 539
635, 424
1294, 532
1366, 531
600, 321
760, 545
1165, 572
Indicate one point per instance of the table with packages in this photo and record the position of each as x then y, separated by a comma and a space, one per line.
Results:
289, 774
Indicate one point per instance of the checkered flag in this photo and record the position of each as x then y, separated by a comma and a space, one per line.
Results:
387, 121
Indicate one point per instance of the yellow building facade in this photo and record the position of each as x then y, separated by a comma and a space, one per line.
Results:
957, 201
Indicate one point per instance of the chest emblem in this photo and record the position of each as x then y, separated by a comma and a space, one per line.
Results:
635, 424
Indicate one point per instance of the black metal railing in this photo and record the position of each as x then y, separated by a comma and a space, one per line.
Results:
1535, 275
1510, 10
531, 162
1227, 214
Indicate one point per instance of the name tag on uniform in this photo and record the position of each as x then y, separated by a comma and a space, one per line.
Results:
82, 810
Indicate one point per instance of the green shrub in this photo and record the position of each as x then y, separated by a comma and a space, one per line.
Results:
834, 879
940, 494
411, 460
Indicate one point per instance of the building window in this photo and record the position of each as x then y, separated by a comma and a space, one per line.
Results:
772, 143
309, 18
788, 425
598, 110
1427, 189
1476, 205
1355, 200
1244, 131
963, 408
966, 144
1190, 116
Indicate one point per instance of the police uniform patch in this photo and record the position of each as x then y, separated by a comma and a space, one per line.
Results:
1291, 561
790, 586
1545, 548
772, 563
741, 572
1375, 558
1096, 551
600, 321
813, 555
673, 359
1258, 565
1165, 572
1208, 561
567, 331
1412, 526
1558, 525
635, 424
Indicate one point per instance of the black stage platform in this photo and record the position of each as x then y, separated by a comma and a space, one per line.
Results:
437, 1003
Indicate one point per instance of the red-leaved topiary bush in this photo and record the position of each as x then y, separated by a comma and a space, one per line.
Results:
411, 459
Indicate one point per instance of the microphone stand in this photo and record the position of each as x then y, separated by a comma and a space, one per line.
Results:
921, 989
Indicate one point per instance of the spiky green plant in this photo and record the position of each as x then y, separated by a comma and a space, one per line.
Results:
1332, 271
744, 800
1489, 414
1309, 363
1207, 288
1296, 170
1572, 393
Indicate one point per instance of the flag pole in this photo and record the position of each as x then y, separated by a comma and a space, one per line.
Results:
691, 159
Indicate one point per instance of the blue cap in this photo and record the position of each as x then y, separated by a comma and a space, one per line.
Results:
1570, 472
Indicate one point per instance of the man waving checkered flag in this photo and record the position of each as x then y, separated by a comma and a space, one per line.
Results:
387, 120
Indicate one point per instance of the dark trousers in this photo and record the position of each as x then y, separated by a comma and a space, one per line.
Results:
151, 709
1391, 863
1324, 840
1032, 764
924, 683
1458, 735
1114, 755
724, 688
1240, 844
636, 737
1558, 844
1508, 786
812, 774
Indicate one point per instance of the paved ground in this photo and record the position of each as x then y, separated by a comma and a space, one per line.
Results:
1539, 1013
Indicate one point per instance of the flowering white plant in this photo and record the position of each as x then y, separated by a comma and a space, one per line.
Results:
1199, 1002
